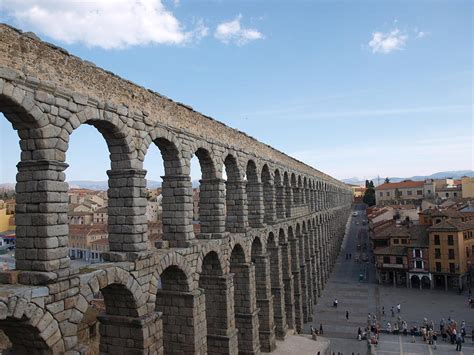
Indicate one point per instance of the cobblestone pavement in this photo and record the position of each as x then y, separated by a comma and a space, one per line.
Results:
362, 297
301, 345
396, 344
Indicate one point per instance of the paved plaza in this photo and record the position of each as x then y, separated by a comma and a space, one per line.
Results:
360, 298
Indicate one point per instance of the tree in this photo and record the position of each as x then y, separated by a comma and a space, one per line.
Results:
369, 195
398, 194
387, 180
366, 184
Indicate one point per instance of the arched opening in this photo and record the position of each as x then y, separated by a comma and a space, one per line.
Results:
254, 196
305, 192
415, 281
183, 313
220, 319
299, 190
287, 279
304, 270
425, 283
88, 193
277, 288
236, 207
279, 196
288, 195
208, 196
294, 189
295, 267
176, 192
246, 318
268, 195
20, 337
264, 297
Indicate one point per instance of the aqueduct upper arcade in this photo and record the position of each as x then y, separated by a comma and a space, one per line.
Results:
270, 229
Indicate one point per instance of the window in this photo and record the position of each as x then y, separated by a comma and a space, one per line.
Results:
467, 252
395, 241
399, 260
388, 193
429, 191
419, 264
447, 194
419, 192
436, 240
451, 254
381, 193
409, 193
455, 194
438, 266
450, 240
386, 260
404, 241
452, 268
417, 253
438, 253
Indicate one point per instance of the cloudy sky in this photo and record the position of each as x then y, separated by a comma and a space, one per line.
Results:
374, 88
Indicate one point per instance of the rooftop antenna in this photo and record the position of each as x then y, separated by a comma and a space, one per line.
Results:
378, 180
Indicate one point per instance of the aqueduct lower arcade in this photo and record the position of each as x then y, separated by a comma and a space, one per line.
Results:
271, 226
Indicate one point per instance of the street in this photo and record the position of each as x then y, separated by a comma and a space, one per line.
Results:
362, 295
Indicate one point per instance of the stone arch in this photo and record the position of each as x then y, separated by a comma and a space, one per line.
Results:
279, 195
299, 190
235, 194
287, 277
268, 195
176, 188
123, 299
254, 195
183, 311
221, 332
288, 194
30, 328
305, 192
246, 318
211, 195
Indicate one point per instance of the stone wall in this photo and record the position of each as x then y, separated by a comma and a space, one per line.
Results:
269, 236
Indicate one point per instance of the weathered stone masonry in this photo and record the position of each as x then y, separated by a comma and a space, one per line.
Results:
270, 233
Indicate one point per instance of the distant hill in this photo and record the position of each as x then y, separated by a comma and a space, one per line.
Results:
441, 175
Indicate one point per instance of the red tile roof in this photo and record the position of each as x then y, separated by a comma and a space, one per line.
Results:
400, 185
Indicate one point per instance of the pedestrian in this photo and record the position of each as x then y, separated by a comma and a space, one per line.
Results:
458, 343
435, 339
321, 329
383, 311
347, 315
350, 256
441, 324
335, 302
393, 312
399, 308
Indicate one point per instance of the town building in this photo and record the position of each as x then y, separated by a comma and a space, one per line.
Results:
401, 255
452, 252
467, 187
404, 191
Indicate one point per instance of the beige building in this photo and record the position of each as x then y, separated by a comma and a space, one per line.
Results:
404, 191
467, 187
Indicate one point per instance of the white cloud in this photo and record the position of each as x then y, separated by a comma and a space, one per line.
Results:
387, 42
103, 23
233, 32
421, 34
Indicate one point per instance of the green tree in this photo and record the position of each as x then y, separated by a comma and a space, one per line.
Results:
366, 184
398, 194
369, 195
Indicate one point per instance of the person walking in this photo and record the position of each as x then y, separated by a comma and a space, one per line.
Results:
458, 342
399, 308
347, 315
435, 339
321, 329
393, 312
383, 311
335, 302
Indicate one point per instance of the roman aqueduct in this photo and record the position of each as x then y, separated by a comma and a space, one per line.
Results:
270, 231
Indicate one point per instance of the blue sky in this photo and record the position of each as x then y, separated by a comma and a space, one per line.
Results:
352, 88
